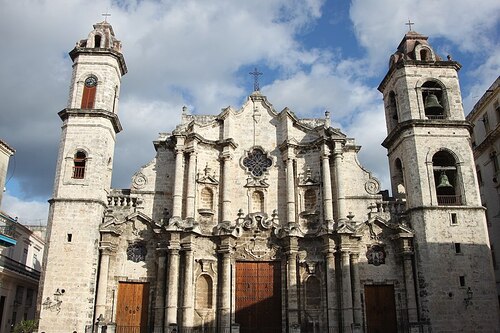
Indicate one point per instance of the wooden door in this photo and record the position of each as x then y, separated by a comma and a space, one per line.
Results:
380, 309
132, 307
258, 297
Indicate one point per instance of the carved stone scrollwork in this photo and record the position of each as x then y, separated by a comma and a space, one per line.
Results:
257, 247
372, 186
139, 181
260, 220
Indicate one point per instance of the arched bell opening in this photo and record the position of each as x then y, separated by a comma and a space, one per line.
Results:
433, 97
97, 41
399, 189
446, 179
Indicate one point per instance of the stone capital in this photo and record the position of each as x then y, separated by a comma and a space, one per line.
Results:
107, 248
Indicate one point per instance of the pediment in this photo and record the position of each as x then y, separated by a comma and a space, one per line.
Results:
117, 226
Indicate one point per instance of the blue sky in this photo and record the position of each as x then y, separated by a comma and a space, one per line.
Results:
315, 55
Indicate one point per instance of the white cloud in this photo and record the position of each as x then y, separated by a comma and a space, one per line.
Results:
193, 53
27, 211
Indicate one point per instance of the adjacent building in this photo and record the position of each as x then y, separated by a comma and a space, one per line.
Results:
485, 117
21, 252
255, 220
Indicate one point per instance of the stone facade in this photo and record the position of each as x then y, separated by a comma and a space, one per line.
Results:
485, 118
256, 220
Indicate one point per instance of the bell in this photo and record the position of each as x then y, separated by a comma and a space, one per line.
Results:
443, 181
432, 105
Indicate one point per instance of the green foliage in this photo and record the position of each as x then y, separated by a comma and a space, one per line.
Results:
26, 326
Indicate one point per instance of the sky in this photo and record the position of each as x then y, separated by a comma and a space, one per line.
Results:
315, 55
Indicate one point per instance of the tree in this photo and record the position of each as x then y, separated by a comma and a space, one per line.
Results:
26, 326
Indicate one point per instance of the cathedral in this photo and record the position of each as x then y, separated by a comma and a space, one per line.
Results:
255, 220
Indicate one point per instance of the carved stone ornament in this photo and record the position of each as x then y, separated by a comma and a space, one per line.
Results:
136, 252
257, 162
258, 219
376, 255
257, 248
139, 181
372, 186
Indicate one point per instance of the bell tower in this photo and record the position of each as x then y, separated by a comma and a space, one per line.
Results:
82, 183
432, 168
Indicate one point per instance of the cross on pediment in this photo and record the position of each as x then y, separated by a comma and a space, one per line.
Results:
256, 75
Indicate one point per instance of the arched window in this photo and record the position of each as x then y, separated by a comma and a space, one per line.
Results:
258, 201
207, 198
393, 106
424, 55
398, 178
446, 179
310, 200
432, 95
313, 293
97, 41
204, 292
494, 163
79, 161
89, 90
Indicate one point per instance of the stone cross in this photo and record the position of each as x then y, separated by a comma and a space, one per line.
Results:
106, 16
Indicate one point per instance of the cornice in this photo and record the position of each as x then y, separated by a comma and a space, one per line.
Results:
112, 117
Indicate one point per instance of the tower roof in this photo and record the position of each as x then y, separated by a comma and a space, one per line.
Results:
407, 46
101, 40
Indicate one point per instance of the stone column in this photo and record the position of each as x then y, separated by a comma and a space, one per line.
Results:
172, 281
226, 183
347, 315
190, 184
160, 286
331, 292
338, 157
188, 286
225, 288
327, 187
411, 298
102, 284
178, 182
293, 302
290, 191
356, 293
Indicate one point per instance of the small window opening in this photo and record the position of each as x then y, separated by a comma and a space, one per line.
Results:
79, 165
393, 105
424, 55
462, 281
97, 41
458, 248
486, 122
432, 95
494, 161
453, 219
69, 238
445, 177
